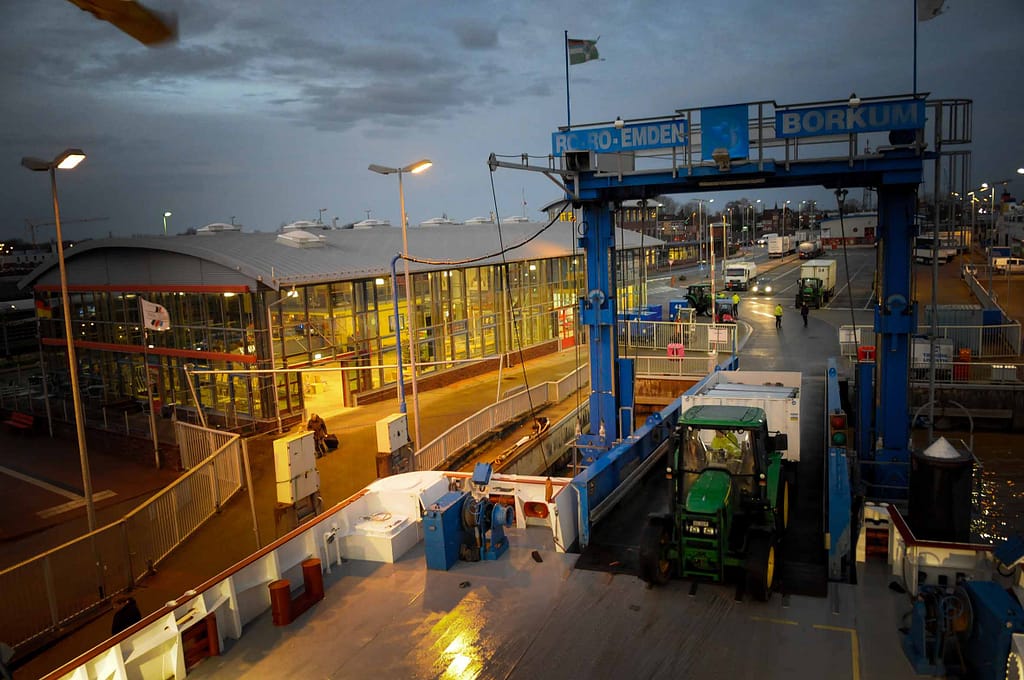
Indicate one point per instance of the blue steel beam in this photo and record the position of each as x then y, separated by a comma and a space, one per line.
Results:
895, 321
598, 313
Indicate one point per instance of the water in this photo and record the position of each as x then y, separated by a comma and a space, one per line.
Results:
999, 493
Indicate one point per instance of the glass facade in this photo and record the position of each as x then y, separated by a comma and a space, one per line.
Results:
459, 315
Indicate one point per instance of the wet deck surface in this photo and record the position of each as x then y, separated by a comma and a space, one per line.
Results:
520, 618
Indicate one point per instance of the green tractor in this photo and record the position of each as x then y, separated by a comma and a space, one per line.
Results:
809, 290
698, 295
729, 502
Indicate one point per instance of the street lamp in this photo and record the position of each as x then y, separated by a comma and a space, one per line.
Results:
67, 161
273, 360
785, 209
167, 213
410, 297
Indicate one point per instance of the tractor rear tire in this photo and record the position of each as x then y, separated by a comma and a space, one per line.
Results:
761, 566
655, 567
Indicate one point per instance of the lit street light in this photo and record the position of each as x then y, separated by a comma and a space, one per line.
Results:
410, 297
67, 161
167, 213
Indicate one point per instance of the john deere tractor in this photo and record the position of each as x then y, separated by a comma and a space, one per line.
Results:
729, 502
698, 295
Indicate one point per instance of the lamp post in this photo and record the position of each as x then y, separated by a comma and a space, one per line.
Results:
167, 213
410, 297
67, 161
273, 360
785, 209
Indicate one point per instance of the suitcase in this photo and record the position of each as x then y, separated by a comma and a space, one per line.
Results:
332, 441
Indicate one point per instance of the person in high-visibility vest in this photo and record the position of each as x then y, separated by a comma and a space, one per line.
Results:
778, 316
736, 305
726, 441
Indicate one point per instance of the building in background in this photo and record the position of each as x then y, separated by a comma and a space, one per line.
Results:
232, 310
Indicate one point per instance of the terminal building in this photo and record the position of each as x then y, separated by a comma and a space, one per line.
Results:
248, 311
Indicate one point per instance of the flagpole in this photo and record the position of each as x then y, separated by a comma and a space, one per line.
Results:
149, 385
915, 45
568, 111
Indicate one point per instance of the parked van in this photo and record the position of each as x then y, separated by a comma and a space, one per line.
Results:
1010, 265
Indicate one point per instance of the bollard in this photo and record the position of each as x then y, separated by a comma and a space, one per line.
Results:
281, 602
313, 579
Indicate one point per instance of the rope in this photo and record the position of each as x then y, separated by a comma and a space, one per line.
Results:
517, 333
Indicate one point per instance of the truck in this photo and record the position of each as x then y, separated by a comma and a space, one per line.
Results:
924, 250
780, 246
809, 249
777, 393
921, 353
817, 282
728, 501
739, 275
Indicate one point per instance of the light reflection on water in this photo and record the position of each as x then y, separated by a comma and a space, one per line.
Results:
998, 496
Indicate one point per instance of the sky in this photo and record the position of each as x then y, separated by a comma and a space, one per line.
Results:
269, 112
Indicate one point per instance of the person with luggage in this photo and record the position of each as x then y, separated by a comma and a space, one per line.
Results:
319, 428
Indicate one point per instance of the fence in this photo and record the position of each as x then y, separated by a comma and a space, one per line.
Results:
458, 437
49, 591
658, 335
996, 341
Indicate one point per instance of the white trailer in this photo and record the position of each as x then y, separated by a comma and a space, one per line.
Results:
740, 275
779, 246
809, 249
823, 269
776, 392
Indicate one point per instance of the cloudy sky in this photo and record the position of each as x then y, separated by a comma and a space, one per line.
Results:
267, 112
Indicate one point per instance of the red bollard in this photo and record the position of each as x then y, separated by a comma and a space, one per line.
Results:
281, 602
313, 579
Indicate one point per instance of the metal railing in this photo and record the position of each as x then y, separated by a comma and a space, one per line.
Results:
990, 341
694, 365
658, 335
45, 593
457, 438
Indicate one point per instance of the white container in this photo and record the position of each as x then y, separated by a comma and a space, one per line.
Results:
295, 467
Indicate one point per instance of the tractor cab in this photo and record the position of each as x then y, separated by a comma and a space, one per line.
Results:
699, 297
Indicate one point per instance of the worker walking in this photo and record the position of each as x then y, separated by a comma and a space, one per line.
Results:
778, 316
736, 305
804, 311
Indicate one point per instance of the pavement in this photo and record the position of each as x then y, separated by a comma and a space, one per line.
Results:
233, 534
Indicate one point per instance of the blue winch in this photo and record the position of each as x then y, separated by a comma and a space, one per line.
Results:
466, 525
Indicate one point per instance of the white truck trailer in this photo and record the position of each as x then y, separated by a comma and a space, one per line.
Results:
809, 249
740, 275
776, 392
780, 246
808, 289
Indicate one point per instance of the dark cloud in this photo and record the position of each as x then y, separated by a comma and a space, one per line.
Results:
476, 35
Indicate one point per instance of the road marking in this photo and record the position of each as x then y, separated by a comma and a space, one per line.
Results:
71, 505
76, 501
773, 620
40, 483
854, 645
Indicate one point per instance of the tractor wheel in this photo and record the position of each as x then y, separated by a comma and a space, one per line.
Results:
655, 567
761, 566
782, 504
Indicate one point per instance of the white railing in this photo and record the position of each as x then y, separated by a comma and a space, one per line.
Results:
658, 335
457, 438
240, 594
688, 366
1003, 340
52, 589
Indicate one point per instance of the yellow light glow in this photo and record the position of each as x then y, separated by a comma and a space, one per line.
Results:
420, 166
229, 295
379, 281
458, 666
71, 160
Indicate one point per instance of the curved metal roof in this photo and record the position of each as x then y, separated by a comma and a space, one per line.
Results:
260, 260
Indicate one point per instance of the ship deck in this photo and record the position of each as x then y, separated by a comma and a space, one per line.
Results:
532, 614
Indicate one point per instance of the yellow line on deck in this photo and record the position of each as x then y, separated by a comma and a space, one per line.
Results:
854, 645
771, 620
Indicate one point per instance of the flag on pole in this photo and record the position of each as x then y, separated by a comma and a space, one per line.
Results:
929, 9
43, 309
581, 51
154, 317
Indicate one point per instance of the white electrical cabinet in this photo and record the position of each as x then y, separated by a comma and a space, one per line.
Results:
295, 467
392, 433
